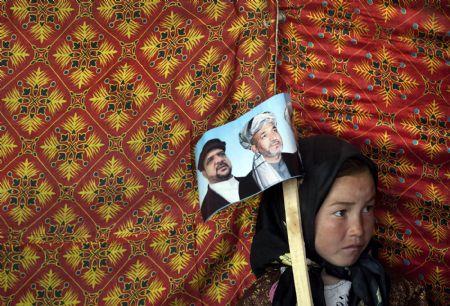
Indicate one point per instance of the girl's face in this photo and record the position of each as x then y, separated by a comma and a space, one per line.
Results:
345, 222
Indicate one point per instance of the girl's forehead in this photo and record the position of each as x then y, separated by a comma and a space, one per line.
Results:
351, 188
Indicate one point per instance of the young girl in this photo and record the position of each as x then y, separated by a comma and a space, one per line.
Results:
337, 198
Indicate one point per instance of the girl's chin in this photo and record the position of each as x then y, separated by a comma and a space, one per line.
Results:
344, 262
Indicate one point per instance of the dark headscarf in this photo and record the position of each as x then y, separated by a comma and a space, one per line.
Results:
322, 157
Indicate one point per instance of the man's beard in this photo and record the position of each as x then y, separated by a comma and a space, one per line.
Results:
224, 176
276, 151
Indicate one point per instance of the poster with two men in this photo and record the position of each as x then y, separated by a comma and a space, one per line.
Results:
246, 156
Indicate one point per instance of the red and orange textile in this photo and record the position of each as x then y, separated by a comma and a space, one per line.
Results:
377, 73
102, 102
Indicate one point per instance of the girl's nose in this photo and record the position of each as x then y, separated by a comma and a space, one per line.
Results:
356, 227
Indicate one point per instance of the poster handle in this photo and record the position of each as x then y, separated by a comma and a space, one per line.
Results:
296, 242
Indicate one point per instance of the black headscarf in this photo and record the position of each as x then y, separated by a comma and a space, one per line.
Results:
322, 157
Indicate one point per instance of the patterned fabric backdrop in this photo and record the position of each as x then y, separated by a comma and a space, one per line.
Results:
102, 102
377, 73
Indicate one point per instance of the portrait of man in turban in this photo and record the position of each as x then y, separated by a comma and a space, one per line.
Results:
270, 164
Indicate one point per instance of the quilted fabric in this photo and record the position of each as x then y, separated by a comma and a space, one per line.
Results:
102, 102
377, 73
101, 105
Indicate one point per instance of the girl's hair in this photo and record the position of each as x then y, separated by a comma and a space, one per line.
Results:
352, 166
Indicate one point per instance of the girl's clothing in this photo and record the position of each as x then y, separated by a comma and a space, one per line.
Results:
403, 292
337, 294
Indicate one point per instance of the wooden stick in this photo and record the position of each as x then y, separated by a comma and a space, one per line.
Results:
296, 243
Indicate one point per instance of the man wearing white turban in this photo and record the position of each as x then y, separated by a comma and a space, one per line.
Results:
270, 164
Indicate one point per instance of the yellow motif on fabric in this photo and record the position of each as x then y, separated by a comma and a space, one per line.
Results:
396, 243
128, 17
42, 18
339, 23
223, 117
163, 133
13, 52
433, 211
385, 77
178, 245
246, 218
71, 146
175, 39
151, 218
392, 166
14, 260
212, 75
439, 282
341, 109
7, 145
63, 226
252, 28
94, 260
124, 94
224, 265
430, 43
266, 69
183, 181
433, 87
214, 9
242, 101
34, 100
50, 289
25, 192
430, 129
113, 189
301, 61
139, 287
436, 254
83, 57
391, 8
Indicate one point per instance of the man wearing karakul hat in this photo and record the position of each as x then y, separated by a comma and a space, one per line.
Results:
270, 164
223, 187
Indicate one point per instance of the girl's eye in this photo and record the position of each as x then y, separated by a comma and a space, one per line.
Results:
339, 213
368, 208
